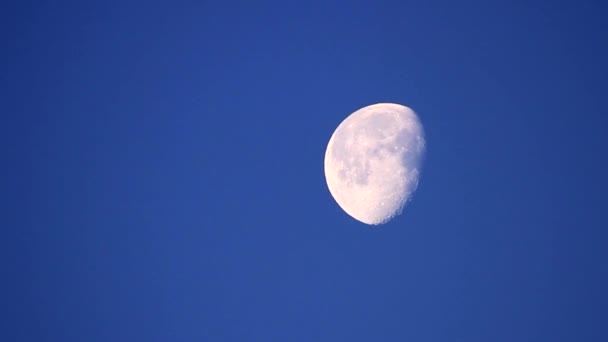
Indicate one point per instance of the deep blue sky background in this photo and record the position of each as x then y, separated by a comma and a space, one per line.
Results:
164, 171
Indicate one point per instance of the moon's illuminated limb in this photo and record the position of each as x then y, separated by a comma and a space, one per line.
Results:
373, 161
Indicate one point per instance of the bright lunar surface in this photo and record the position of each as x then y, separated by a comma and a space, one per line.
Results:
373, 161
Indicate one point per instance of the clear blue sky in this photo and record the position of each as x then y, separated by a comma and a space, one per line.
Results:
165, 181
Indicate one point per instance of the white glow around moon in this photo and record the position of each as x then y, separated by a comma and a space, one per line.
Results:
373, 161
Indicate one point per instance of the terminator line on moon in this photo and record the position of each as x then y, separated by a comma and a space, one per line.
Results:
373, 161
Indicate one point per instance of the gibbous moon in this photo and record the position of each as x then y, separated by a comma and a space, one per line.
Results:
373, 161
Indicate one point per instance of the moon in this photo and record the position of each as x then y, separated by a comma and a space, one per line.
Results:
373, 161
